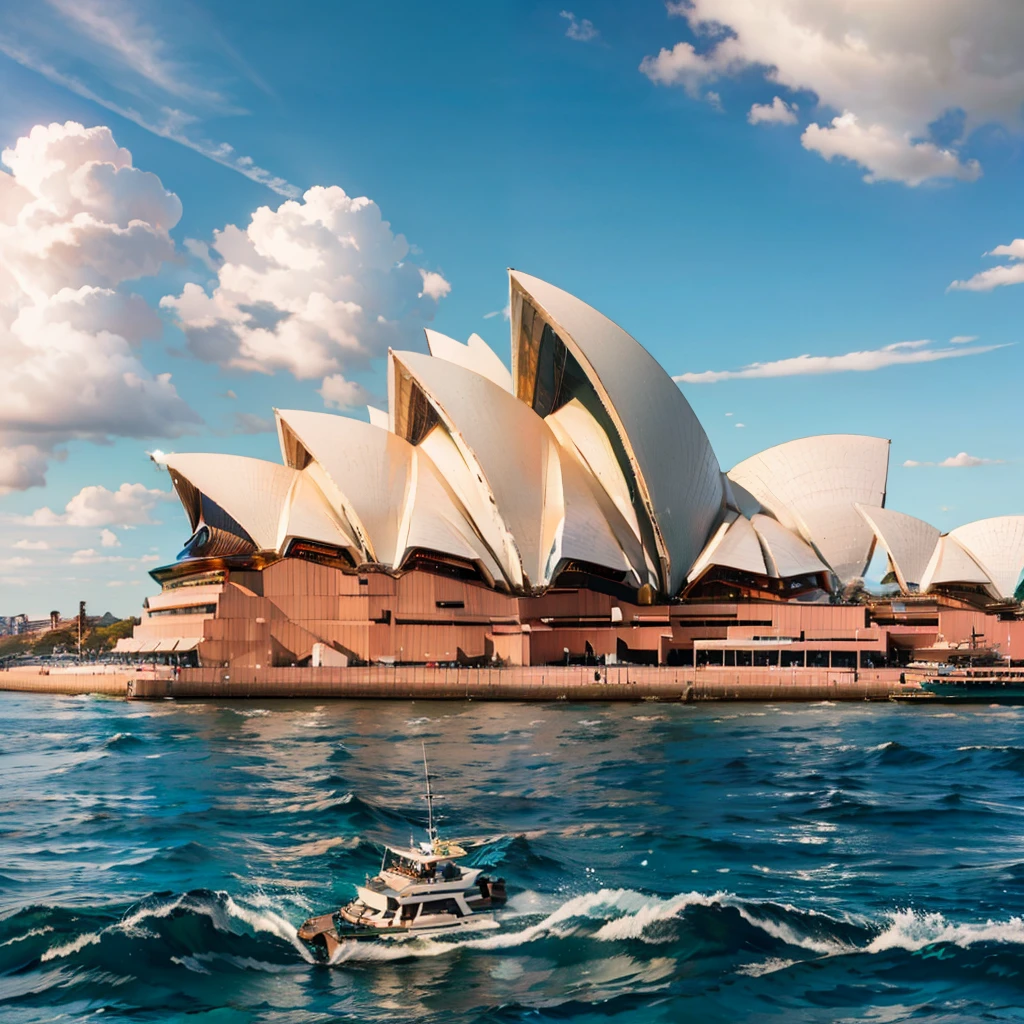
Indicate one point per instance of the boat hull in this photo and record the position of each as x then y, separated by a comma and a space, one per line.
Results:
327, 934
981, 692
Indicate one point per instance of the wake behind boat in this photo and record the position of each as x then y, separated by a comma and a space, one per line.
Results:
419, 891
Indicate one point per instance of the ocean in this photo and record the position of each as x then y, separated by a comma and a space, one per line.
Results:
714, 862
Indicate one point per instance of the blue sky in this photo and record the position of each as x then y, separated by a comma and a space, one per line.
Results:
610, 152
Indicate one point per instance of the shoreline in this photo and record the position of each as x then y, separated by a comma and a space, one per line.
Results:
523, 684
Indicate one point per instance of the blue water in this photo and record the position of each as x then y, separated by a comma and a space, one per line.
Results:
721, 862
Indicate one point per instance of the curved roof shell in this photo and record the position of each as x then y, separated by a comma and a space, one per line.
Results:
949, 564
475, 355
673, 469
533, 510
270, 502
785, 553
390, 492
734, 546
812, 485
908, 542
997, 545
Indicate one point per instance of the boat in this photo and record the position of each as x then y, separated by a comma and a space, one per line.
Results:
420, 891
987, 684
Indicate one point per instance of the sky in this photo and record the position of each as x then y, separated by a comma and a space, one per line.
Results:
808, 213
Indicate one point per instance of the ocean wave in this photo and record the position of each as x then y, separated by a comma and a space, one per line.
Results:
223, 912
740, 925
913, 930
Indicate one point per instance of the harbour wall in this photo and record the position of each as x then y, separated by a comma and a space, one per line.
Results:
524, 683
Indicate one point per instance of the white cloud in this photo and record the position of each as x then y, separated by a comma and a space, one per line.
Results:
313, 287
339, 393
505, 312
95, 506
776, 112
959, 461
963, 339
31, 545
888, 155
898, 68
76, 220
728, 414
118, 27
90, 556
996, 277
900, 353
739, 426
17, 562
108, 539
434, 285
582, 30
108, 40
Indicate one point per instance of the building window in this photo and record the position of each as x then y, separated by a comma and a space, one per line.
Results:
766, 659
791, 659
844, 659
817, 659
189, 609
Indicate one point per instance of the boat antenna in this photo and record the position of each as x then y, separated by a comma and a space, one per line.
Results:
430, 798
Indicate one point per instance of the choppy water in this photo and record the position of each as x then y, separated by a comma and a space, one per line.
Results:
665, 863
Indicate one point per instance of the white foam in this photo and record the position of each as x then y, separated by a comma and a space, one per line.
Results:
769, 966
912, 930
86, 939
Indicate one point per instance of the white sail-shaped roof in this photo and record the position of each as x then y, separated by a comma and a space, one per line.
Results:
785, 553
378, 417
733, 546
390, 492
537, 511
368, 467
811, 486
950, 563
908, 542
674, 469
475, 355
262, 497
997, 545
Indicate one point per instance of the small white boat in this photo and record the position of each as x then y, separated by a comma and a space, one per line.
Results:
419, 891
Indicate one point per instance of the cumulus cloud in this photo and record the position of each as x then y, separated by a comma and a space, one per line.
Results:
339, 393
31, 545
108, 539
888, 155
313, 287
900, 353
582, 30
996, 277
776, 112
434, 285
96, 506
894, 68
960, 461
76, 220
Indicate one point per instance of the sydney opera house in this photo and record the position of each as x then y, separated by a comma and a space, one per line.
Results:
571, 510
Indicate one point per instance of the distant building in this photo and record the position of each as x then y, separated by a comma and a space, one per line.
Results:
571, 509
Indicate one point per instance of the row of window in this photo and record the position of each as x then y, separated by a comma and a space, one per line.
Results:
776, 658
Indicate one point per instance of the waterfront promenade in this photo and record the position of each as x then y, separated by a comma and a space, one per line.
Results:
533, 683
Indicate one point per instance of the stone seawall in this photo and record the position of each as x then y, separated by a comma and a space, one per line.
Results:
619, 683
524, 684
114, 683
